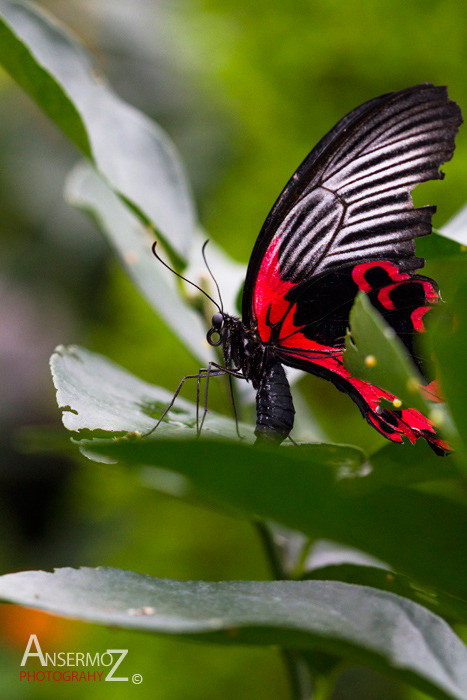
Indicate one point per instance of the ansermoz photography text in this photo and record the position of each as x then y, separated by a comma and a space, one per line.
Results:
73, 665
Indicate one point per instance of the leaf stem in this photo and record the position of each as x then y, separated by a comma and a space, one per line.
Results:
323, 687
271, 550
305, 553
296, 666
299, 676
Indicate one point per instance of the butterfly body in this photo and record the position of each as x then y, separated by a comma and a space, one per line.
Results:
345, 223
244, 352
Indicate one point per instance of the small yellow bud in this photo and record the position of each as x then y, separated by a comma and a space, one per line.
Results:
371, 361
397, 403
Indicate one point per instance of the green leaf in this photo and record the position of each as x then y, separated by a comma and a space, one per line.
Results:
450, 242
416, 465
17, 58
364, 625
447, 606
132, 241
320, 490
440, 246
375, 354
100, 399
448, 339
131, 152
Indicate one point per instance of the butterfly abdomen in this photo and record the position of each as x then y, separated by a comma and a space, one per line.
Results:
274, 407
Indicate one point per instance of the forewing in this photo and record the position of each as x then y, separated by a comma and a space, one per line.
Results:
350, 201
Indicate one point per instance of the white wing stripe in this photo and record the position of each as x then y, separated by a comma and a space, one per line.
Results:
356, 204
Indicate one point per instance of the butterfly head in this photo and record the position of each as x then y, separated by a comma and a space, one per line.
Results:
215, 333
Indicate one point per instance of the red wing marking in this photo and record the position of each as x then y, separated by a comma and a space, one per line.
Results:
275, 318
399, 279
431, 294
270, 305
393, 424
358, 273
384, 296
416, 318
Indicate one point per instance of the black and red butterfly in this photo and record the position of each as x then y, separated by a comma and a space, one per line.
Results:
344, 222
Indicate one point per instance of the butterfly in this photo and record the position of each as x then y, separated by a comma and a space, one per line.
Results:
344, 223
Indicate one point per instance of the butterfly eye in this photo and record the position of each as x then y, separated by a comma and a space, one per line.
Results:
216, 330
217, 340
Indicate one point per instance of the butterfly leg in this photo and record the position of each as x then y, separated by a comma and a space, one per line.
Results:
205, 373
198, 387
218, 369
201, 374
232, 396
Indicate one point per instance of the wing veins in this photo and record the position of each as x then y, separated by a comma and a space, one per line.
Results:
382, 170
377, 127
408, 186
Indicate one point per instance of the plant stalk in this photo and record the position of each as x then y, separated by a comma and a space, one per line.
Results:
295, 665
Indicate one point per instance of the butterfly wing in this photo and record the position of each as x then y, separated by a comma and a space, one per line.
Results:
346, 221
311, 337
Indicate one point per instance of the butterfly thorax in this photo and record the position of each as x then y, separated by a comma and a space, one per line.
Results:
242, 348
244, 351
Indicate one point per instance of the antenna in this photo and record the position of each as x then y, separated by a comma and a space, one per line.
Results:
203, 253
182, 277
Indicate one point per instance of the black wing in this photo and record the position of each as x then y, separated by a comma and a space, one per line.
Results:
349, 201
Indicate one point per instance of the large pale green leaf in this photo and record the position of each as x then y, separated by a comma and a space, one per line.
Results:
448, 606
100, 399
132, 152
132, 241
359, 623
